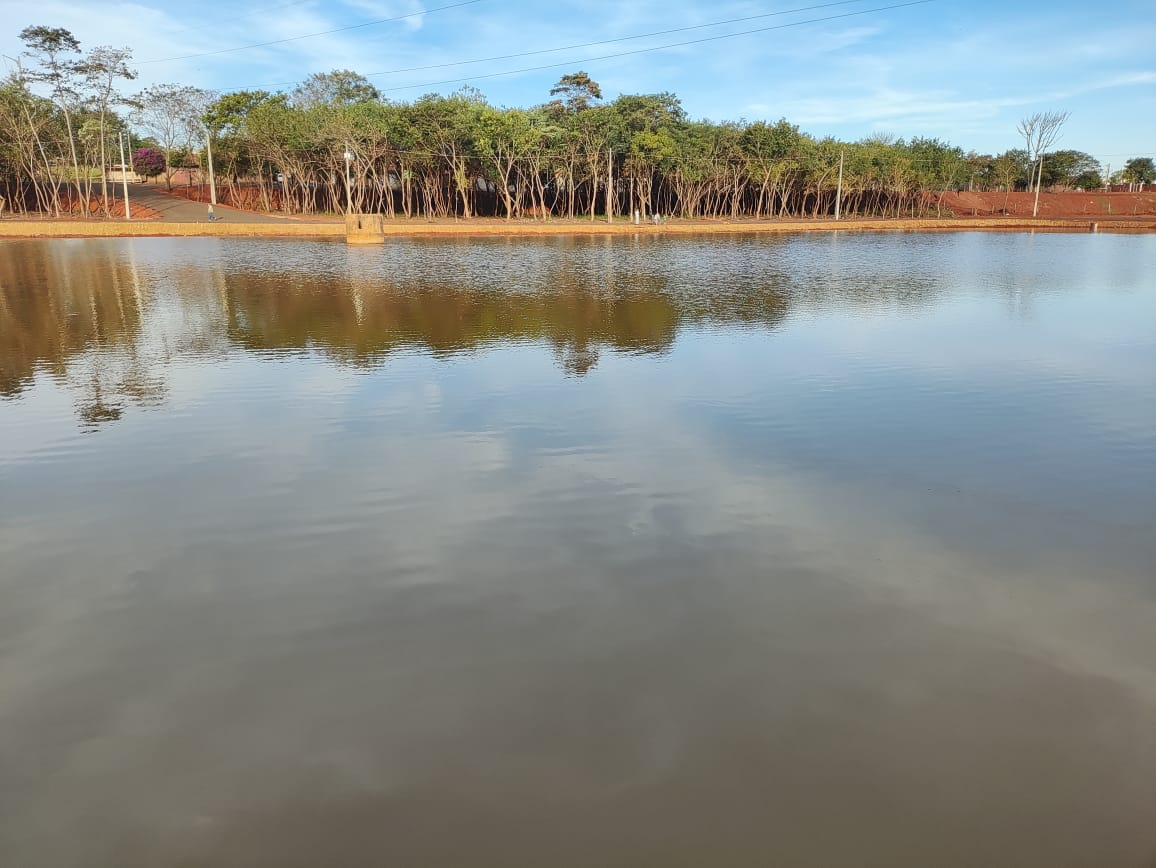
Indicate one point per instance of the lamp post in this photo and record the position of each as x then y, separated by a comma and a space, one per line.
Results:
348, 183
124, 175
212, 177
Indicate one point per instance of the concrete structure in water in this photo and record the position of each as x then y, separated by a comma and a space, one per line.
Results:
364, 229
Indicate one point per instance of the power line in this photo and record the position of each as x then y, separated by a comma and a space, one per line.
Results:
310, 35
586, 44
656, 47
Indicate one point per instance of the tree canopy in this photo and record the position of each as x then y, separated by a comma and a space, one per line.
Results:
1140, 170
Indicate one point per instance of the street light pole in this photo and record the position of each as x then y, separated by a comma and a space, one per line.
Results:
124, 176
212, 177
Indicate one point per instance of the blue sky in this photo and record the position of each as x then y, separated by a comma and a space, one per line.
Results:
961, 70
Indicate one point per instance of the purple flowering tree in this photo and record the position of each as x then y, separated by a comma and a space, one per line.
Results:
148, 162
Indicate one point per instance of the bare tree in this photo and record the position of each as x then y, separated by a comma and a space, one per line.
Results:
1040, 132
101, 69
172, 113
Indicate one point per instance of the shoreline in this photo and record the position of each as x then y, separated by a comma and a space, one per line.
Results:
13, 229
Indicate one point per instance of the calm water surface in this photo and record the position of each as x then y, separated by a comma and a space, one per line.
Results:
806, 551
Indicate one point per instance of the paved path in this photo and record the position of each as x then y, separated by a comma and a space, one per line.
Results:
177, 209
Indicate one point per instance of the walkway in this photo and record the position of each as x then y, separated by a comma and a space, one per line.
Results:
177, 209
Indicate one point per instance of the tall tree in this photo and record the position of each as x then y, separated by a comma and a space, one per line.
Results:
1140, 170
53, 48
643, 133
336, 88
102, 68
1040, 132
504, 141
577, 92
448, 127
225, 119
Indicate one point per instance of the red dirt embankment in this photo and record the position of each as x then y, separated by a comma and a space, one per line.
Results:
242, 197
72, 208
1102, 206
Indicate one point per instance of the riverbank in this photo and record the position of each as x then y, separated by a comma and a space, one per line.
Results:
500, 227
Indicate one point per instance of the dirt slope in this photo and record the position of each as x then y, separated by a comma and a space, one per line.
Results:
1053, 205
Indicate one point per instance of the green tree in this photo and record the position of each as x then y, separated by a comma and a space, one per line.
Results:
504, 140
32, 137
448, 128
1140, 170
226, 114
1071, 169
225, 120
768, 149
336, 88
287, 139
642, 132
577, 92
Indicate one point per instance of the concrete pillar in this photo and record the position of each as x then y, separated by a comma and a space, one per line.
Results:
364, 229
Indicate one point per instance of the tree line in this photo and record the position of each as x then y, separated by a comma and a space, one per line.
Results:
334, 144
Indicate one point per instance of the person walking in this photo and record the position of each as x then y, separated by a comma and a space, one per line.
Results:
212, 216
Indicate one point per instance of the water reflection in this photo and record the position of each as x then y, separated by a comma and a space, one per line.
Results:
362, 323
94, 315
88, 315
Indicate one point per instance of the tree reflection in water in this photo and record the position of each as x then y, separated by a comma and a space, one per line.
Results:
105, 320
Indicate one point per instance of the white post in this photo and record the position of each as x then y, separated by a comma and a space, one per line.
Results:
348, 183
1039, 180
212, 177
839, 187
609, 185
124, 176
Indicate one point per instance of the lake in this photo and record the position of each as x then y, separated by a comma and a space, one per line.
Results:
803, 550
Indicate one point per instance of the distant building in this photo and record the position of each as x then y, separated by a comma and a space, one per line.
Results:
119, 173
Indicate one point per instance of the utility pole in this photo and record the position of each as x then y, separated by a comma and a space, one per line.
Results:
839, 187
212, 177
609, 184
124, 176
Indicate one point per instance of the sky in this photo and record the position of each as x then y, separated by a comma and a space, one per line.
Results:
965, 71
